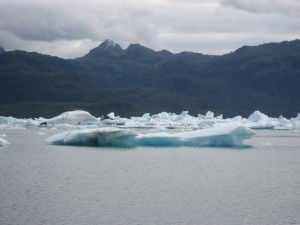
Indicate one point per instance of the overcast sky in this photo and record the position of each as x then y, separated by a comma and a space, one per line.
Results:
70, 28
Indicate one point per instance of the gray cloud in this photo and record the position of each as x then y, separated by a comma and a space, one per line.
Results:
70, 28
287, 7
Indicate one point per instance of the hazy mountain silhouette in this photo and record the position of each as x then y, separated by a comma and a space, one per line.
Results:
136, 80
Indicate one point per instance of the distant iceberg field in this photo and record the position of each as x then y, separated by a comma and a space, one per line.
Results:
179, 130
163, 120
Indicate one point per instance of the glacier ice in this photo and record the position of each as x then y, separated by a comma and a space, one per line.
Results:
94, 137
209, 115
160, 121
217, 136
112, 116
258, 120
77, 117
14, 122
3, 142
283, 123
296, 122
257, 116
187, 130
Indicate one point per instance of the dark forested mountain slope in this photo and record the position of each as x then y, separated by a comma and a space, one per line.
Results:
136, 80
2, 50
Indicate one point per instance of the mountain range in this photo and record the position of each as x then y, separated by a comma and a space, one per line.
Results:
137, 80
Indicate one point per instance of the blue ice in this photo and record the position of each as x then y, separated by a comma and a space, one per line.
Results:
217, 136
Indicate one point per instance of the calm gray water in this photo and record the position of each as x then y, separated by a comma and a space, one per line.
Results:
44, 184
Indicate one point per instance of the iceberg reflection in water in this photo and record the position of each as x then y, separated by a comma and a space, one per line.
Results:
217, 136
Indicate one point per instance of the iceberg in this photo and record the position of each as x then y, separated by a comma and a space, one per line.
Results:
77, 117
258, 120
296, 122
13, 122
166, 120
113, 120
3, 142
217, 136
209, 115
283, 124
108, 136
161, 121
112, 116
257, 116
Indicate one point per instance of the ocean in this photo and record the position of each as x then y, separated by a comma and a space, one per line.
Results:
66, 185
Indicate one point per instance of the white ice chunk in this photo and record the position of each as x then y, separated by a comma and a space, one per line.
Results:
258, 120
209, 115
3, 142
111, 116
201, 117
162, 115
12, 122
77, 117
113, 120
283, 123
144, 118
296, 122
219, 117
257, 116
218, 136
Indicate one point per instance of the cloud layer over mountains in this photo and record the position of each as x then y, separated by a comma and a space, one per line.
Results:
69, 28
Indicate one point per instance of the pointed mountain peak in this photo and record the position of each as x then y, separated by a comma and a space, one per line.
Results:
106, 50
109, 44
138, 47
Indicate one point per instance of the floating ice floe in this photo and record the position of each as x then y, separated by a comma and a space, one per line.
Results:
169, 121
217, 136
3, 142
296, 122
14, 122
258, 120
77, 117
160, 121
283, 124
113, 120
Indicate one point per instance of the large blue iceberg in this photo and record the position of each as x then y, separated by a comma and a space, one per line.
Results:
116, 137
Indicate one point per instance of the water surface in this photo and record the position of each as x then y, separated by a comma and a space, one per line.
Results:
46, 184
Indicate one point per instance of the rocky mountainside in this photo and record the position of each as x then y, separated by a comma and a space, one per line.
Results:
2, 50
138, 79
